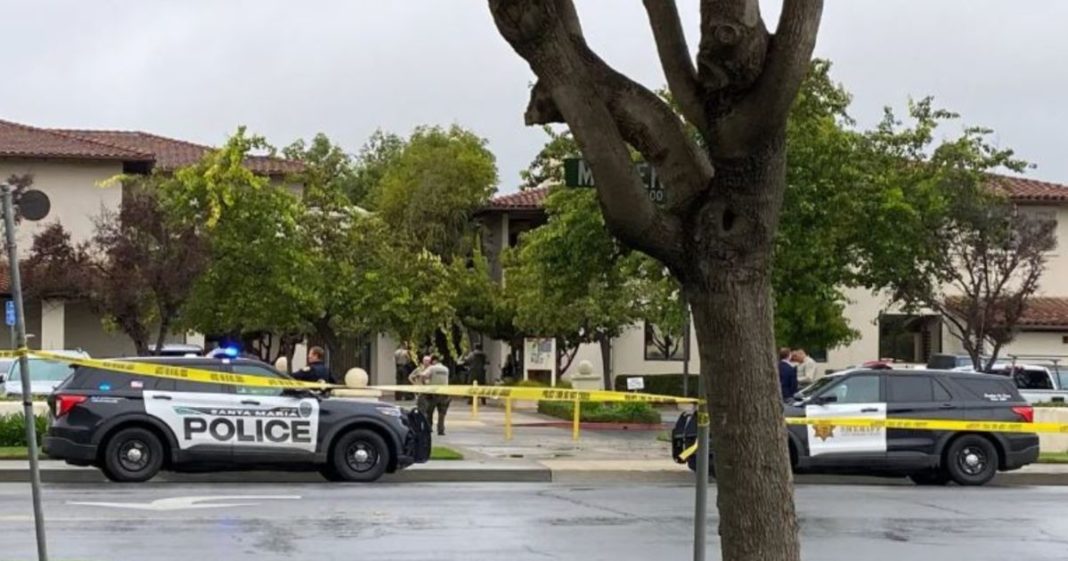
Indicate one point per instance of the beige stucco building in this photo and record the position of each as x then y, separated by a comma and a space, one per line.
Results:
884, 332
71, 166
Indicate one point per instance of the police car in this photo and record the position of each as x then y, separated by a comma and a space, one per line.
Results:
133, 426
928, 457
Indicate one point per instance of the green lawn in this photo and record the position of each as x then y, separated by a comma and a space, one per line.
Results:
12, 452
443, 453
437, 453
1053, 458
664, 436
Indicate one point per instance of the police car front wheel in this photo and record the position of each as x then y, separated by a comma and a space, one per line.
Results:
132, 455
359, 455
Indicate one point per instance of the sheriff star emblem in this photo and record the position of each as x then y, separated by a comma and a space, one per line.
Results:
823, 432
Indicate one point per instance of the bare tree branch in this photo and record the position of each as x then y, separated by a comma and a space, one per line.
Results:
789, 52
606, 111
676, 62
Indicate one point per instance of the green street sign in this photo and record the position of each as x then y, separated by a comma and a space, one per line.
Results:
577, 173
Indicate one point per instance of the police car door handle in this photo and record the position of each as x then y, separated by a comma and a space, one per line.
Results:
249, 402
947, 406
869, 410
161, 396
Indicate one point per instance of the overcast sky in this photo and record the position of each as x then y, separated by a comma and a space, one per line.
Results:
197, 69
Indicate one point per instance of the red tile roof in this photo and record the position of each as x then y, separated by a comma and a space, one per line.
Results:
1027, 190
1019, 189
23, 141
1045, 311
18, 140
172, 154
531, 199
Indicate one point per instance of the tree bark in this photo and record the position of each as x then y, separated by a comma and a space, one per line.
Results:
729, 288
605, 343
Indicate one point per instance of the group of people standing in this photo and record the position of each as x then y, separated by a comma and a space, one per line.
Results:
432, 372
796, 370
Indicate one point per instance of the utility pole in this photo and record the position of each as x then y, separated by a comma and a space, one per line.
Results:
24, 367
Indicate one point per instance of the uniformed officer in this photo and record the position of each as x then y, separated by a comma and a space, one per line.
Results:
316, 369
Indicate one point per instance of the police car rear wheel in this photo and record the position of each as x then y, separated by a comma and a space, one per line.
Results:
971, 460
132, 455
360, 455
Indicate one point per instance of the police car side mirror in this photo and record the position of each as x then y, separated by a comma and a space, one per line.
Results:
824, 399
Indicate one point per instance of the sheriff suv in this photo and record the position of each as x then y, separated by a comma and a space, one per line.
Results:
927, 457
132, 426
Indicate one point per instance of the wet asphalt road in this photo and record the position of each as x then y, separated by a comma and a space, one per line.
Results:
515, 522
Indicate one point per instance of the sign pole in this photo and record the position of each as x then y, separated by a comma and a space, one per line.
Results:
700, 518
24, 369
686, 352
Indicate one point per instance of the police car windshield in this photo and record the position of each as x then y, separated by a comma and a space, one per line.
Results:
814, 387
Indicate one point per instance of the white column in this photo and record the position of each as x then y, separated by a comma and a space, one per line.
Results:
53, 325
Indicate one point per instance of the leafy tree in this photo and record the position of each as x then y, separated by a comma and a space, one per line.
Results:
943, 236
253, 283
716, 232
327, 166
371, 163
137, 272
431, 189
430, 186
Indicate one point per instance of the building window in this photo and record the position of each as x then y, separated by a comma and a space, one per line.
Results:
909, 338
661, 346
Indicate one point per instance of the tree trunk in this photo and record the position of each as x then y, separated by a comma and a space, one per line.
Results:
605, 343
161, 335
729, 288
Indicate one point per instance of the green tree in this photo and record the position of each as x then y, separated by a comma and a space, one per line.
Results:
431, 189
370, 164
327, 166
253, 283
939, 232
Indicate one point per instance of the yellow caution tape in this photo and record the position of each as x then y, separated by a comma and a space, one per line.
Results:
915, 424
226, 378
537, 394
180, 372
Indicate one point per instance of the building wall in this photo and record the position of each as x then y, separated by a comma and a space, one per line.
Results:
73, 188
1046, 343
1057, 260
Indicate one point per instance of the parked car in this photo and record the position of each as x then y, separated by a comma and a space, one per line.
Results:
45, 374
928, 457
132, 426
1037, 384
177, 349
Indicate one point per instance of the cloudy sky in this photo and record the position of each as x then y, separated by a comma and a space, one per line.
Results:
197, 69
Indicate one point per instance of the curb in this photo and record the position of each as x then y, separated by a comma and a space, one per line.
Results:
536, 474
524, 474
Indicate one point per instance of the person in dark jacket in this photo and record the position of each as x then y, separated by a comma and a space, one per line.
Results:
316, 369
476, 369
787, 375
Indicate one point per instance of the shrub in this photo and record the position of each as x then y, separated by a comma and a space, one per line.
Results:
598, 412
1050, 404
13, 429
662, 384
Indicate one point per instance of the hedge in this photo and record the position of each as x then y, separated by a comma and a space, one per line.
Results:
662, 384
597, 412
13, 429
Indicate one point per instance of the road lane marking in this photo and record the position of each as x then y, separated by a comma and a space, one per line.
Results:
189, 503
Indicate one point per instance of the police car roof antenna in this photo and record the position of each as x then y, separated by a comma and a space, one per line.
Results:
24, 367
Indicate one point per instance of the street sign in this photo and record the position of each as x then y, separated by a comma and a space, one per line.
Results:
577, 173
9, 312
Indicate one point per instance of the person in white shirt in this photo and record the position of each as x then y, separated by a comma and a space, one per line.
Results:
806, 367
